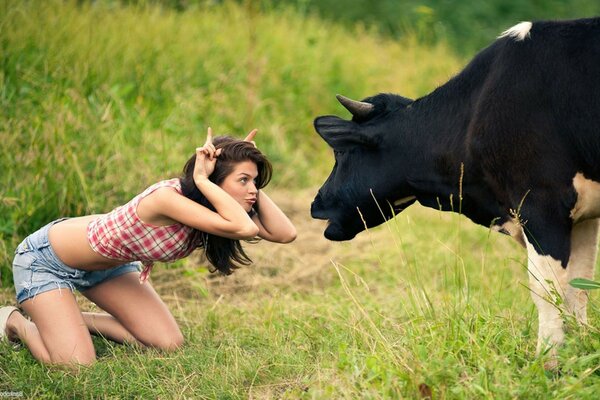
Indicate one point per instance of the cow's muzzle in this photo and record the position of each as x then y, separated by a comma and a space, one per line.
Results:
336, 232
318, 214
317, 210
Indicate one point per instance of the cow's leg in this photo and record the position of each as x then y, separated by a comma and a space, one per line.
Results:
547, 282
584, 246
547, 226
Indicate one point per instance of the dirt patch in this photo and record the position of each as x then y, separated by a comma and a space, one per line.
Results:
303, 265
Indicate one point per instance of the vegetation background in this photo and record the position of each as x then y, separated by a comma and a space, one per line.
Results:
99, 99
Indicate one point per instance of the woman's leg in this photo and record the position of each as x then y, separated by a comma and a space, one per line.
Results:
57, 332
136, 313
106, 325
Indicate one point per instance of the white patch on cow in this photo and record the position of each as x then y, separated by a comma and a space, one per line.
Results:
404, 200
513, 229
519, 31
588, 198
584, 247
547, 282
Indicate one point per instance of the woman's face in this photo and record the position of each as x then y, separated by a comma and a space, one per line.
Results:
239, 184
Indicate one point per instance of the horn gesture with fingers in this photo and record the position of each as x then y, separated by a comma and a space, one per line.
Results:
206, 158
250, 136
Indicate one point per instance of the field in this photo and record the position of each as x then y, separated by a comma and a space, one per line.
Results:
100, 100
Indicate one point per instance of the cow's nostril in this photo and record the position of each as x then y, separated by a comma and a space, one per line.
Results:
316, 211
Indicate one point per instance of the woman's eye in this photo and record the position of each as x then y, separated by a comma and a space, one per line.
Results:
244, 180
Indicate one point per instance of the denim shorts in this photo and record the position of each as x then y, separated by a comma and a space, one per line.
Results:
37, 269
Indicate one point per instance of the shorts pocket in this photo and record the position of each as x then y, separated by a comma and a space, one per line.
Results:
23, 259
37, 268
23, 248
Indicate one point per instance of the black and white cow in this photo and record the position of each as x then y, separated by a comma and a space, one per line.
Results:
513, 141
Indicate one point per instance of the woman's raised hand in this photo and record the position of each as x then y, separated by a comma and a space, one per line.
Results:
250, 137
206, 158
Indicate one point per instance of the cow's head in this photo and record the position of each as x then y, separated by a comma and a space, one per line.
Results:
365, 187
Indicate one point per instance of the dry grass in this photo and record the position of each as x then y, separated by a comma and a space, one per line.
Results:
304, 266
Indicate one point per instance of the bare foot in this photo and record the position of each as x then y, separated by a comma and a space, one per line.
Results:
15, 320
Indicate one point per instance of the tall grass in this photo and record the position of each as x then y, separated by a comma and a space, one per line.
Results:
404, 310
464, 25
99, 100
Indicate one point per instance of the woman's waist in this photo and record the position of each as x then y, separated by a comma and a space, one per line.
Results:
78, 246
69, 240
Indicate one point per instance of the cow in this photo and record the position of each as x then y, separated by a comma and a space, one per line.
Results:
512, 142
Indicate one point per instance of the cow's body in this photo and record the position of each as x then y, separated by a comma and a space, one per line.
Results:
512, 142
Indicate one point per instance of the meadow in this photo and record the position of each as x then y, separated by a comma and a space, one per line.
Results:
99, 100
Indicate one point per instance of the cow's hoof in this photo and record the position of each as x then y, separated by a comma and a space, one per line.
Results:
552, 365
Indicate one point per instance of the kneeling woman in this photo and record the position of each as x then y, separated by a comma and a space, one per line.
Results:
216, 203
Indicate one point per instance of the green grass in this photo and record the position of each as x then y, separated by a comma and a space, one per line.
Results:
421, 301
467, 26
100, 100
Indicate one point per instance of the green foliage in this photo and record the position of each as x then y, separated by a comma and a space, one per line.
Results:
467, 25
100, 100
585, 284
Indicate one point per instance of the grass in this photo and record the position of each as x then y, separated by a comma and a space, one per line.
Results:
412, 306
99, 100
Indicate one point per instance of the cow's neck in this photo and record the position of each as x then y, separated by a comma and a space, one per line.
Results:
443, 176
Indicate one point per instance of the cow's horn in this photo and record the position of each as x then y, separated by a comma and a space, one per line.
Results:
357, 108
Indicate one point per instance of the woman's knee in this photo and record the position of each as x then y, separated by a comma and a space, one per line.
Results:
167, 341
172, 343
78, 356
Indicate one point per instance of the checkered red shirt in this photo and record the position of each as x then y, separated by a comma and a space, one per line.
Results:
122, 235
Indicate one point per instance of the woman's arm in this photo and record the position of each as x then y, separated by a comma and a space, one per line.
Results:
273, 224
230, 220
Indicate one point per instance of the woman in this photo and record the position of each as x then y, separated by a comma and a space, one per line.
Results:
216, 203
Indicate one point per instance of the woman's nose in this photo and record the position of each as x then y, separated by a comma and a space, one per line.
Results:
252, 188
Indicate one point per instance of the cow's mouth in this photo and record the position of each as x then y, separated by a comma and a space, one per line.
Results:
318, 215
335, 232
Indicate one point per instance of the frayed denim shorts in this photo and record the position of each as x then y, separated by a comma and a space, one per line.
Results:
37, 269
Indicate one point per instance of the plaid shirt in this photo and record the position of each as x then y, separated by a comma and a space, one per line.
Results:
122, 235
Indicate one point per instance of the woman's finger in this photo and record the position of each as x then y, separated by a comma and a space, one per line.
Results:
250, 137
209, 136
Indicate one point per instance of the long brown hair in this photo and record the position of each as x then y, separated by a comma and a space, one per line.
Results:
224, 254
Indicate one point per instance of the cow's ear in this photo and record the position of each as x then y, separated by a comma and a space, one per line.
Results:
341, 134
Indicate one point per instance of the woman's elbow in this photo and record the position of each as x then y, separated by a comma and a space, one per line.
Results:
250, 231
288, 236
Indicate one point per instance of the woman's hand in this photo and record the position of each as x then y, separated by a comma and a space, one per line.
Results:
250, 137
206, 158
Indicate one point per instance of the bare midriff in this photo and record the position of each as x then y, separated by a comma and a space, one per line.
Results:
69, 241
